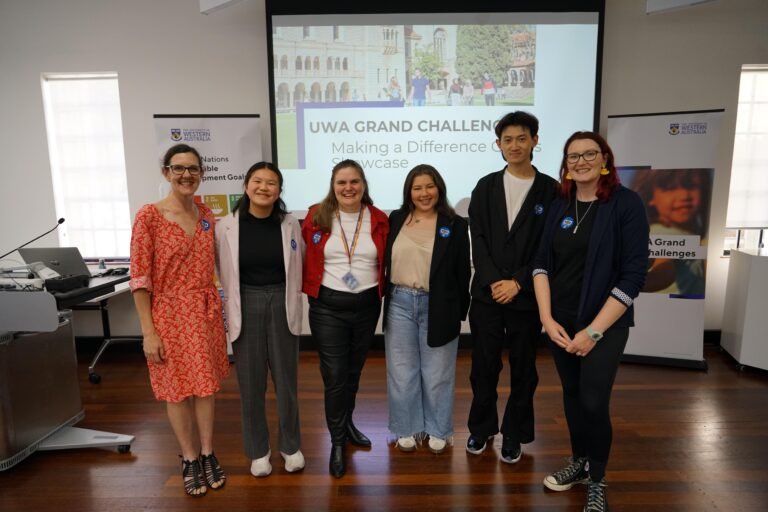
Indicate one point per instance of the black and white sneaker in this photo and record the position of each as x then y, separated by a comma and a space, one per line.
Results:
596, 500
476, 445
576, 472
511, 451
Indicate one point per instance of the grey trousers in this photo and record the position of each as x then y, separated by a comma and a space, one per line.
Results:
266, 344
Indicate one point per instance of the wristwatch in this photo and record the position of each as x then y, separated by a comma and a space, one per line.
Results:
594, 335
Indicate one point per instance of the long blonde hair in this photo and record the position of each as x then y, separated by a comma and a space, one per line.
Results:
327, 208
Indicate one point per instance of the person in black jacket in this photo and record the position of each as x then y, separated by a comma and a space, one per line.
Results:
427, 261
506, 211
589, 268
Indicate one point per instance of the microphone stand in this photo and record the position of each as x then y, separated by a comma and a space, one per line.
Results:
59, 223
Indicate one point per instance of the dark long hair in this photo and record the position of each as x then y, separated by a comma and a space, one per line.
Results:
326, 209
442, 207
606, 184
279, 210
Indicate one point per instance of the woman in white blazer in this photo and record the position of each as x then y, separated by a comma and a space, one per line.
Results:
259, 256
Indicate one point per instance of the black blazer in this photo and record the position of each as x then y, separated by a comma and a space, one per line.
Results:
617, 255
448, 276
502, 253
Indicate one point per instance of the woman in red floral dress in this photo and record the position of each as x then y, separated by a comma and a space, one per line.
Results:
172, 266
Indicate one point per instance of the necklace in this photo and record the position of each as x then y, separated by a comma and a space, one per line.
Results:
416, 220
579, 220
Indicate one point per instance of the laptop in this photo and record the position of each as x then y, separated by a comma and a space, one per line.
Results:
65, 261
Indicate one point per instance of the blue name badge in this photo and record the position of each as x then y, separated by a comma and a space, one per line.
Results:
444, 232
566, 223
538, 209
206, 225
293, 244
350, 280
316, 237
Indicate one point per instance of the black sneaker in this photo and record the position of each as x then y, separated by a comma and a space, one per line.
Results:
476, 445
596, 501
511, 451
576, 472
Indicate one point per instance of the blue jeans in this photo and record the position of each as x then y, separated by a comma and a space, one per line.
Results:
420, 378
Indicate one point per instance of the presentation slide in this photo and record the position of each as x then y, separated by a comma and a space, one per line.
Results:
393, 91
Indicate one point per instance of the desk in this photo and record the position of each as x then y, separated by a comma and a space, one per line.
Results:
107, 288
97, 287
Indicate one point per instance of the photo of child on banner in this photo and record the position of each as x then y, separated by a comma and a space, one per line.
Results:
678, 204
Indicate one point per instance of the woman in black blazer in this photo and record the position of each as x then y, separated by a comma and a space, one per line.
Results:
428, 270
590, 266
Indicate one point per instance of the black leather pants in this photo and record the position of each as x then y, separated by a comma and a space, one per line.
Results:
343, 325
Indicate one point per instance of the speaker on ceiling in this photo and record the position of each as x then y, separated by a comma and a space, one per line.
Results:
657, 6
209, 6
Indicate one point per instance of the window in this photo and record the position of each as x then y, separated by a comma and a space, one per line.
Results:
85, 145
748, 194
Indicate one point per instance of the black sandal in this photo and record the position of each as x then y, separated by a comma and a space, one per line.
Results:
192, 473
214, 475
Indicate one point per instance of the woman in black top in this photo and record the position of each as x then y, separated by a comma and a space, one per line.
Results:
259, 255
590, 266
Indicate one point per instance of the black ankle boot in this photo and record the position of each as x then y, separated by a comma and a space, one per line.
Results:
337, 465
356, 437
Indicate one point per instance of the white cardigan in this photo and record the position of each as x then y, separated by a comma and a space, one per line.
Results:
228, 268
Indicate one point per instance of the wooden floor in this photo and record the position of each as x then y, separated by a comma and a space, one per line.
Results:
684, 440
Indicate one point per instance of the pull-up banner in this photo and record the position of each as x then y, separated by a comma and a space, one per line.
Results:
228, 144
669, 160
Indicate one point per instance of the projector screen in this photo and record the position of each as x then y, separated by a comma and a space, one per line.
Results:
396, 90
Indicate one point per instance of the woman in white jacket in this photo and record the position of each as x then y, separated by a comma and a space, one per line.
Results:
259, 256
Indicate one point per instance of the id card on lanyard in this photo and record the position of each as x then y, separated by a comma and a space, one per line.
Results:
349, 278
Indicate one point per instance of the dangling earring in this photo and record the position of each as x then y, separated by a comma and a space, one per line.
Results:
568, 176
604, 171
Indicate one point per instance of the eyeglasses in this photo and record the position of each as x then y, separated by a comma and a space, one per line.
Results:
178, 170
588, 156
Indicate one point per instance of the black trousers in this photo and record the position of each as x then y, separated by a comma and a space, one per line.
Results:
493, 327
343, 325
587, 384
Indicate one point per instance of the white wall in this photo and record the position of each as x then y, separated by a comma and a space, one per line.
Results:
171, 59
687, 59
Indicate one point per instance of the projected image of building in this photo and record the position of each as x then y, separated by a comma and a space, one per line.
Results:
328, 64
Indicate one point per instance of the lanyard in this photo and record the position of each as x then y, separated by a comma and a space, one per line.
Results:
347, 249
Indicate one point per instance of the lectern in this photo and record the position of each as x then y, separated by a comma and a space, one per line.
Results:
39, 387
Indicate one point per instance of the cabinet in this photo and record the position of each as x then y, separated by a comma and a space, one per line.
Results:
745, 317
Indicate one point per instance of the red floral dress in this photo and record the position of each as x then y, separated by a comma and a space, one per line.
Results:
177, 270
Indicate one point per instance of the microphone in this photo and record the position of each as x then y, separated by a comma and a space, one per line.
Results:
59, 223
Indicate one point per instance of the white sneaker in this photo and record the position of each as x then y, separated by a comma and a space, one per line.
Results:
293, 462
262, 466
437, 445
406, 444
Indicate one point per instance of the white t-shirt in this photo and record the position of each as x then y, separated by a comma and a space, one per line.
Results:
365, 259
515, 190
